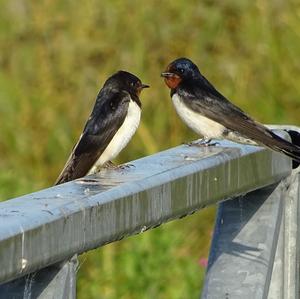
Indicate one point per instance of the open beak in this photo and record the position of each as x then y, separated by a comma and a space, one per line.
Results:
169, 75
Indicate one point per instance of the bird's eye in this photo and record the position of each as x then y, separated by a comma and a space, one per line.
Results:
181, 70
131, 84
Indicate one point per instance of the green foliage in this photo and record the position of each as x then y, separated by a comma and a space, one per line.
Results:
56, 54
161, 263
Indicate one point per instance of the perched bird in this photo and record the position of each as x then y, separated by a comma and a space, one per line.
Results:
112, 123
207, 112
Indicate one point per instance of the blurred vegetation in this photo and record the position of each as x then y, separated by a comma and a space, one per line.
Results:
55, 55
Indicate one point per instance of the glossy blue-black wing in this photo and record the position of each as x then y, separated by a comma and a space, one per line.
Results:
108, 115
206, 100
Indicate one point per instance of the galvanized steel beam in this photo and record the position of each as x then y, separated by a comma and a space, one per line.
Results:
51, 225
244, 244
255, 248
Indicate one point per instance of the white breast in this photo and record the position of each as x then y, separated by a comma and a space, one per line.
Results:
197, 122
122, 136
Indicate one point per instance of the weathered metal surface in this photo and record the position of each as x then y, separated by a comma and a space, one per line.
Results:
243, 248
46, 227
57, 281
255, 249
285, 276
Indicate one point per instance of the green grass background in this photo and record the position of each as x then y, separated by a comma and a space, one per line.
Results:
55, 55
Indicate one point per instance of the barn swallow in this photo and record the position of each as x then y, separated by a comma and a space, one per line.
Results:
207, 112
112, 123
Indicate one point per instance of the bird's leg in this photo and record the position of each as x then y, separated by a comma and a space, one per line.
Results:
203, 142
110, 165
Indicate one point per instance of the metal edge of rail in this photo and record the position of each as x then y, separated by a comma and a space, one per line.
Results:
93, 211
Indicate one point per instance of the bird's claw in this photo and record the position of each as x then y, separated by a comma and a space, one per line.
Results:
125, 166
203, 143
111, 165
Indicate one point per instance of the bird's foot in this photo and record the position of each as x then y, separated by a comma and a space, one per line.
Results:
203, 143
125, 166
111, 165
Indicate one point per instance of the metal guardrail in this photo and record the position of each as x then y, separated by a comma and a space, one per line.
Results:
255, 247
44, 228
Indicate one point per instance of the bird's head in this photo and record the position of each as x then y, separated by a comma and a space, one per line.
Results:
180, 70
129, 82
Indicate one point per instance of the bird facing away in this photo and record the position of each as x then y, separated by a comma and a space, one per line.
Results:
112, 123
207, 112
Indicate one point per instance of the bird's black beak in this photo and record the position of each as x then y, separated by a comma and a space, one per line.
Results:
144, 86
168, 75
141, 87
